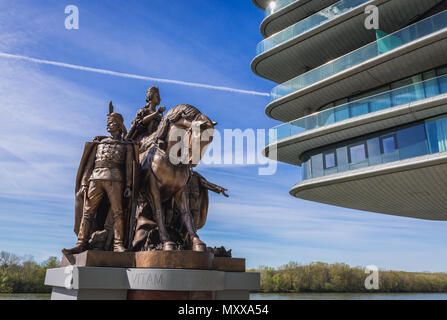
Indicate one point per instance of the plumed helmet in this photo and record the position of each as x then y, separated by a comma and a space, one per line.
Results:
116, 117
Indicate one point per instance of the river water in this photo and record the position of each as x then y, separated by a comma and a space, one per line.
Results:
348, 296
291, 296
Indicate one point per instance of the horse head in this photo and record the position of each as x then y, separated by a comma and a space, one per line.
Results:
200, 136
189, 137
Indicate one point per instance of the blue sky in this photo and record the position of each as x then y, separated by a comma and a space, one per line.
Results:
49, 112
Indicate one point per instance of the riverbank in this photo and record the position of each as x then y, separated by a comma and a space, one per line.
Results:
348, 296
25, 296
18, 275
322, 277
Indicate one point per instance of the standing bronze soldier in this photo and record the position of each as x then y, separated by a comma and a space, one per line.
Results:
107, 169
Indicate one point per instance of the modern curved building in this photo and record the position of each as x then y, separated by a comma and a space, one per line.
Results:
364, 111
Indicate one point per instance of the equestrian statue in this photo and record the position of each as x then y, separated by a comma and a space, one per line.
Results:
137, 190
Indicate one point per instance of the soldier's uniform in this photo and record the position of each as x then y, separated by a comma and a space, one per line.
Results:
108, 166
107, 172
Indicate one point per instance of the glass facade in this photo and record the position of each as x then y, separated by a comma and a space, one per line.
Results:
359, 106
405, 142
315, 20
404, 36
277, 5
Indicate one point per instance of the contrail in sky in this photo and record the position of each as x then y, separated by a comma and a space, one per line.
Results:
128, 75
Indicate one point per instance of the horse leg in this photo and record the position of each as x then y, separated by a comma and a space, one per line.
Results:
182, 203
154, 194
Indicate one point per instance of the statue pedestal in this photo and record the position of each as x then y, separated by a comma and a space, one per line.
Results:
154, 275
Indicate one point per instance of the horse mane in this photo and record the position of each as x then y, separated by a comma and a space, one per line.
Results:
185, 111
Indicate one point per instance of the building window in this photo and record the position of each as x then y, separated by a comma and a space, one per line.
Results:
357, 153
388, 144
330, 160
397, 100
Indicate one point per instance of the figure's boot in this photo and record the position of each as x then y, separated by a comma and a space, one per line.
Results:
118, 232
198, 245
169, 246
83, 237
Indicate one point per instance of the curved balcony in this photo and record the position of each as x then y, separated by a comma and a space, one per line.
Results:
412, 188
368, 173
370, 51
319, 18
404, 95
401, 143
293, 150
416, 48
281, 14
314, 45
277, 5
261, 4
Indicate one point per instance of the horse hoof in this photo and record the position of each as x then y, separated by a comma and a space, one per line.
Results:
169, 246
198, 245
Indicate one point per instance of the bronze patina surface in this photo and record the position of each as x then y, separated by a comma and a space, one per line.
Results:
229, 264
164, 183
179, 259
105, 189
133, 195
186, 259
99, 258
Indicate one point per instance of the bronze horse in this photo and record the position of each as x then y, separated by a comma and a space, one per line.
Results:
166, 170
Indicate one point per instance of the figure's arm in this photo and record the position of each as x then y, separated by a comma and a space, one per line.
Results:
211, 186
149, 118
89, 167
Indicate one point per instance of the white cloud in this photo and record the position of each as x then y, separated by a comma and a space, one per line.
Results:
44, 119
129, 75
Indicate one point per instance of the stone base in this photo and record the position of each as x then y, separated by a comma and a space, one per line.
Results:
98, 258
95, 283
229, 264
186, 259
151, 275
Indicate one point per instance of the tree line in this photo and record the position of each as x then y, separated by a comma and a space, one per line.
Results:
24, 275
339, 277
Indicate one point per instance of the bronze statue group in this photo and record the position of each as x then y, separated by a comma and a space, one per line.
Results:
130, 196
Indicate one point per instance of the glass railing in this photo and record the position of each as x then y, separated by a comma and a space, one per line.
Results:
277, 5
404, 36
309, 23
405, 142
389, 99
